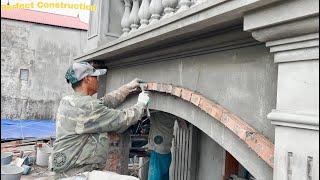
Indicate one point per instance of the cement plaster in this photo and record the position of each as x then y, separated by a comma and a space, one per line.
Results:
242, 80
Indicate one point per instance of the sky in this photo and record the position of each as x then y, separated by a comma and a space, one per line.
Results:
83, 14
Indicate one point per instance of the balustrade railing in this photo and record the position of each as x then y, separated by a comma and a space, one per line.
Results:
139, 14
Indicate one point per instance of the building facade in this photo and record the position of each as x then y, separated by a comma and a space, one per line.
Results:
243, 73
36, 50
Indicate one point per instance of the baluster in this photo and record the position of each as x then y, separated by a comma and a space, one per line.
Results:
184, 5
156, 10
193, 3
134, 18
125, 24
144, 13
169, 6
199, 2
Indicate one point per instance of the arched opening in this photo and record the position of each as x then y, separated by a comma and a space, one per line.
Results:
215, 130
194, 154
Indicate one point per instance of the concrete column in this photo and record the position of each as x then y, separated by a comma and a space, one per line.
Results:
291, 30
296, 117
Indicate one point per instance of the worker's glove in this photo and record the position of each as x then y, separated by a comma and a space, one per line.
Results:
133, 85
144, 98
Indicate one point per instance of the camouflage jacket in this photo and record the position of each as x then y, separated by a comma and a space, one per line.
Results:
82, 124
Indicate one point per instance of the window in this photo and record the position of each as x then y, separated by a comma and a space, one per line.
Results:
24, 74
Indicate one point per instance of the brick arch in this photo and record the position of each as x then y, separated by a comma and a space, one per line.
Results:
256, 141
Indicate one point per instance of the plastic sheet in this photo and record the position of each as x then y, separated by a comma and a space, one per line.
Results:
25, 129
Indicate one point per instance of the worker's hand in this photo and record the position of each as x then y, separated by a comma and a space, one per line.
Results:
133, 85
144, 98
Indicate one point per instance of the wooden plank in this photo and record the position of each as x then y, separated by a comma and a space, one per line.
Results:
231, 166
184, 143
180, 156
189, 152
18, 145
194, 153
177, 154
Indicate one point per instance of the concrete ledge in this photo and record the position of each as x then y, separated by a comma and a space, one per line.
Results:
280, 13
294, 28
213, 42
212, 14
291, 119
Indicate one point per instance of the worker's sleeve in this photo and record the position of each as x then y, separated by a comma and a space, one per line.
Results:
116, 97
103, 119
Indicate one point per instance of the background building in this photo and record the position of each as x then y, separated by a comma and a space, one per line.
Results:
36, 49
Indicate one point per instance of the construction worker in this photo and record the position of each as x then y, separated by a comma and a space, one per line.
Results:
82, 123
159, 144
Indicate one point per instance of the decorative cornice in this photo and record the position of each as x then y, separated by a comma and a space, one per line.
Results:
297, 27
167, 56
300, 48
292, 119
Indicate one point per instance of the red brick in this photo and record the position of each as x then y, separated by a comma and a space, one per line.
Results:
153, 86
195, 99
216, 112
113, 161
205, 105
149, 86
113, 137
255, 141
232, 123
160, 88
168, 88
186, 94
263, 147
176, 91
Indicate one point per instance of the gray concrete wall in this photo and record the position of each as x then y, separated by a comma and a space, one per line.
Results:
301, 157
242, 80
211, 159
46, 51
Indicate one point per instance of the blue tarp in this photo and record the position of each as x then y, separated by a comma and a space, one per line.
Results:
23, 129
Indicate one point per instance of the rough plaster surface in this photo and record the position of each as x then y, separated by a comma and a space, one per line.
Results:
242, 80
299, 78
46, 51
301, 150
210, 153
